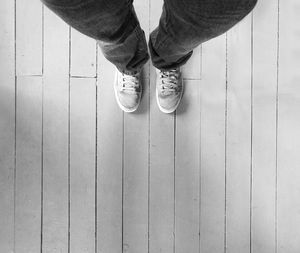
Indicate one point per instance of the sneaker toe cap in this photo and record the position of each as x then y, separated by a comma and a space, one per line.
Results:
129, 101
170, 102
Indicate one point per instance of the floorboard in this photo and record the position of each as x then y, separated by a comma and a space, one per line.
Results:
187, 170
212, 139
82, 164
55, 135
161, 178
28, 208
135, 170
7, 125
288, 203
238, 137
264, 126
110, 162
83, 55
29, 37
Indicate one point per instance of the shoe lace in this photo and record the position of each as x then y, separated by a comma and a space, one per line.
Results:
130, 82
169, 80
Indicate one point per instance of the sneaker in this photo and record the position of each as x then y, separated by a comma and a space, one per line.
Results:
128, 91
169, 89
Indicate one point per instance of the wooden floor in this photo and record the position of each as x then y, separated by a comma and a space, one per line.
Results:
79, 175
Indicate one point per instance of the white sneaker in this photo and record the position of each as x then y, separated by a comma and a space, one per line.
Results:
169, 89
128, 91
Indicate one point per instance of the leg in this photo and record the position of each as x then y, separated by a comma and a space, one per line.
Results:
113, 23
186, 24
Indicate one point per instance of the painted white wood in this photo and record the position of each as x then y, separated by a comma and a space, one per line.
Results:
288, 129
187, 170
28, 165
7, 125
29, 38
135, 191
192, 69
56, 46
264, 126
161, 198
83, 55
212, 97
55, 134
238, 146
155, 13
110, 160
82, 164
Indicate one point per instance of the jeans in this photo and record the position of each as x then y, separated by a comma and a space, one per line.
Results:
184, 24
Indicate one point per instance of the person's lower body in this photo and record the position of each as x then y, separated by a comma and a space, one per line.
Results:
183, 26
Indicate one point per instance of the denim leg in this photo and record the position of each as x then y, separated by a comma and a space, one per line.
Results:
113, 23
186, 24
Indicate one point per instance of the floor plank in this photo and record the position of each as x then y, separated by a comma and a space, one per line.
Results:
83, 55
110, 162
29, 38
192, 69
7, 125
55, 134
161, 179
161, 198
238, 136
288, 129
213, 146
28, 165
187, 170
82, 164
264, 126
135, 190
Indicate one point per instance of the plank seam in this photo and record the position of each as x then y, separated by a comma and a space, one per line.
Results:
15, 125
42, 171
277, 122
123, 141
42, 140
149, 137
174, 184
74, 76
199, 161
96, 157
251, 140
225, 142
29, 75
69, 145
43, 39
